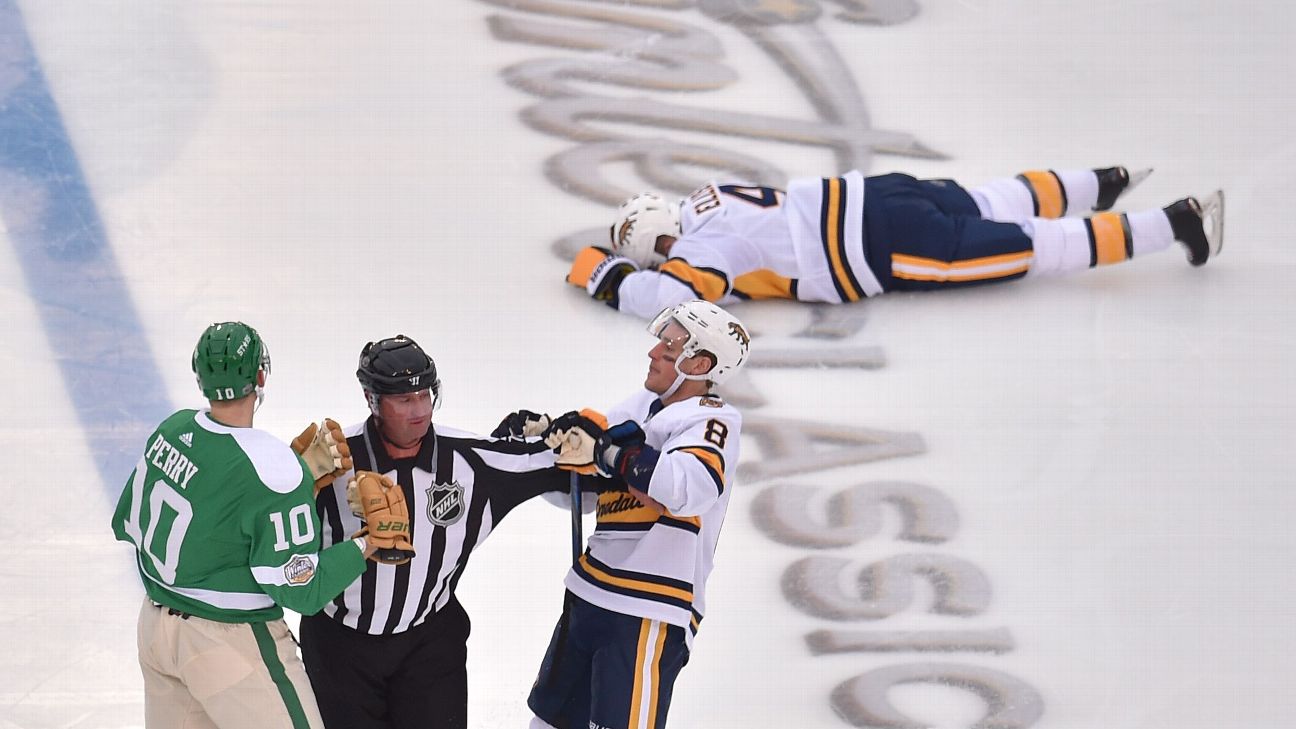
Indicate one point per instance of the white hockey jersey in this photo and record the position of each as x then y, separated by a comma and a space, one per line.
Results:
740, 242
640, 563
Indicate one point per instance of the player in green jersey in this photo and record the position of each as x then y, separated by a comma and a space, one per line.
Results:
222, 517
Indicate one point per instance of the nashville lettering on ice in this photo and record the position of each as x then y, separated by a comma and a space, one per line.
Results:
644, 44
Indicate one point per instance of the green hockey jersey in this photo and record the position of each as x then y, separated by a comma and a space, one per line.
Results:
224, 525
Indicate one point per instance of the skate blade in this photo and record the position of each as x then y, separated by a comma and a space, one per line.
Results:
1136, 177
1212, 212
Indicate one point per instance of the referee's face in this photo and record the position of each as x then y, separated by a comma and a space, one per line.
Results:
405, 418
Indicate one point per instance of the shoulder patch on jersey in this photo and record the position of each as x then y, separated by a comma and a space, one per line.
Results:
710, 401
300, 570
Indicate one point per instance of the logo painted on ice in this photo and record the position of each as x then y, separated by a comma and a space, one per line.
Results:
300, 570
658, 46
594, 97
445, 503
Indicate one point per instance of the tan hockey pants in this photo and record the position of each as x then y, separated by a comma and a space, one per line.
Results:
200, 674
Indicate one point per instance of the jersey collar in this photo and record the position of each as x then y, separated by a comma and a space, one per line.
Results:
425, 459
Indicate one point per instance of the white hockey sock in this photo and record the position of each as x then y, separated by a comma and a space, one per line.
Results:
1045, 194
1081, 188
1006, 200
1060, 246
1151, 229
1072, 244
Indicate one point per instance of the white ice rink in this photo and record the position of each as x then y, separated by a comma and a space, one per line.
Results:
1102, 487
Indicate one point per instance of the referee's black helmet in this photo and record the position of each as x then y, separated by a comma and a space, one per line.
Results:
396, 365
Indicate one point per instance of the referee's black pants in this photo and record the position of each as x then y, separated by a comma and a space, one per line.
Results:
417, 679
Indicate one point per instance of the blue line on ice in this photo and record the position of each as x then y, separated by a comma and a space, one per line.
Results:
59, 240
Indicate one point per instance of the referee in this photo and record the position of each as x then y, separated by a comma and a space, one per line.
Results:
390, 652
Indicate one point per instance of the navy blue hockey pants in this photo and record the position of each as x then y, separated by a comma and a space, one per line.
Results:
607, 669
929, 234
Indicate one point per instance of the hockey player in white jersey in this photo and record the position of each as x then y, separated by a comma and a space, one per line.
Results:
636, 596
842, 239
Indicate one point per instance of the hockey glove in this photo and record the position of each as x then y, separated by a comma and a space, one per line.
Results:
325, 451
387, 525
600, 272
573, 436
521, 424
618, 447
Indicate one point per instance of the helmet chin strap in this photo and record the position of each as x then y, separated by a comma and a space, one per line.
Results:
263, 374
679, 380
680, 377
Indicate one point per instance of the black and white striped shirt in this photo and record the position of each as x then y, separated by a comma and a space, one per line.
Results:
458, 487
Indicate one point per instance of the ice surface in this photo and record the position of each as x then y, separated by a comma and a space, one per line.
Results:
1115, 446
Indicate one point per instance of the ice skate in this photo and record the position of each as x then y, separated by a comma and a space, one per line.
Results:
1199, 226
1113, 182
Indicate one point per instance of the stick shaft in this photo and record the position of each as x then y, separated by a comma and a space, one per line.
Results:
578, 541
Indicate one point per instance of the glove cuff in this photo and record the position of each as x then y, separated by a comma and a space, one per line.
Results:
637, 465
609, 460
605, 280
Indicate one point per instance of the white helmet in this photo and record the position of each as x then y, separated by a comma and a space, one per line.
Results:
711, 330
639, 221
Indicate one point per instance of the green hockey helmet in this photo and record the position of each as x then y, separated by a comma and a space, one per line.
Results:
227, 359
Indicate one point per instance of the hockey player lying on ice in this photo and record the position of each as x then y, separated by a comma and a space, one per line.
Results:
846, 238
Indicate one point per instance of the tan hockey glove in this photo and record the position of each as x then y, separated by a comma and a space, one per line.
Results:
325, 451
573, 436
353, 500
387, 525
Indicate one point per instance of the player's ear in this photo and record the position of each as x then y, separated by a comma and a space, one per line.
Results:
664, 243
699, 364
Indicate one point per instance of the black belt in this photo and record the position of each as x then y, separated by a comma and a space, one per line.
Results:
172, 611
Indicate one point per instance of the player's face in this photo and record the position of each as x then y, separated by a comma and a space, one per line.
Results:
661, 358
405, 417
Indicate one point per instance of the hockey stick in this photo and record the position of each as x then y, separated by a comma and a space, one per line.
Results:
578, 541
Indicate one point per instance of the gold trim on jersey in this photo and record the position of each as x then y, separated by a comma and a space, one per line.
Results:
1047, 193
629, 583
916, 268
713, 462
707, 283
683, 522
763, 284
621, 507
831, 227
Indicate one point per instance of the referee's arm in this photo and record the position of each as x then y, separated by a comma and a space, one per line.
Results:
513, 472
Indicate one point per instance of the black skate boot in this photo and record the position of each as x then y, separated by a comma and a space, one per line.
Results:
1114, 182
1199, 226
